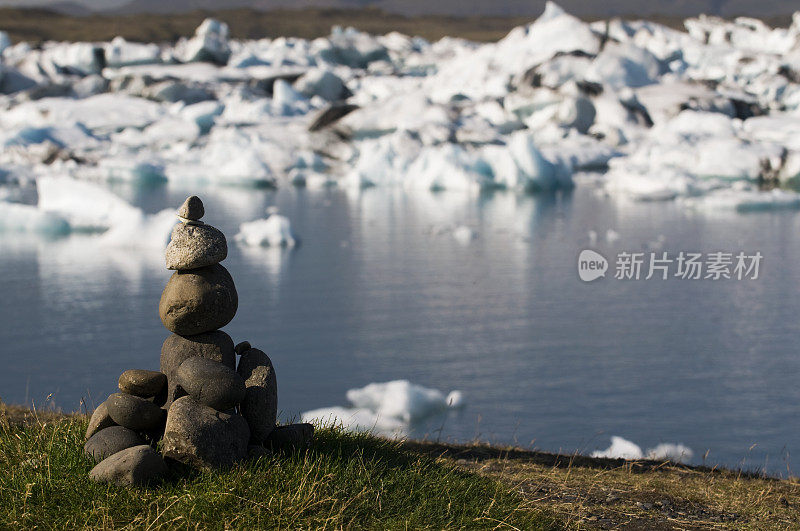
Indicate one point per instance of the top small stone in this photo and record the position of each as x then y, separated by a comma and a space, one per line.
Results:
192, 209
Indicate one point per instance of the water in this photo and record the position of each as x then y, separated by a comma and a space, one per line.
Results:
377, 291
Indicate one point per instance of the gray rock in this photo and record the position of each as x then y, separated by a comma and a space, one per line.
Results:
204, 437
260, 404
99, 420
134, 412
134, 466
109, 441
198, 301
290, 437
195, 246
211, 383
139, 382
192, 208
244, 346
216, 346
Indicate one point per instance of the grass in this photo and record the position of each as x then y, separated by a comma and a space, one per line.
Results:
342, 481
359, 481
36, 25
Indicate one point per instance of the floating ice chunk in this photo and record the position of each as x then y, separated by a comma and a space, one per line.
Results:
12, 80
399, 399
73, 136
86, 206
624, 65
675, 453
624, 449
464, 235
16, 217
620, 449
120, 52
386, 408
286, 100
203, 114
81, 58
275, 231
321, 82
210, 43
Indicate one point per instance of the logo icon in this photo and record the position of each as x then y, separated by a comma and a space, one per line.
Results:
591, 265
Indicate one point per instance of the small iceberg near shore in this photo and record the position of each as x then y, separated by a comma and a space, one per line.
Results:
387, 408
624, 449
274, 231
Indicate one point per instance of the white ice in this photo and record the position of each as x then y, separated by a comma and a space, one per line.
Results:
624, 449
666, 114
387, 408
274, 231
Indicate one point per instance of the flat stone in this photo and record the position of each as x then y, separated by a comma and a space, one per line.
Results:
139, 382
197, 301
99, 420
211, 383
109, 441
134, 412
216, 346
194, 246
192, 208
290, 437
260, 404
201, 436
135, 466
244, 346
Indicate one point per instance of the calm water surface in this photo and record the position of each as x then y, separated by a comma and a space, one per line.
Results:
379, 291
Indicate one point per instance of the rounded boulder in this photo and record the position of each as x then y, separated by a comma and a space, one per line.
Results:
216, 346
195, 246
139, 382
201, 436
260, 404
134, 412
135, 466
197, 301
211, 383
109, 441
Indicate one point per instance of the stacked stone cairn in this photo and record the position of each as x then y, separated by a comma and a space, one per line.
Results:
200, 409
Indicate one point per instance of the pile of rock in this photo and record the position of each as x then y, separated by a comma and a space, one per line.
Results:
200, 409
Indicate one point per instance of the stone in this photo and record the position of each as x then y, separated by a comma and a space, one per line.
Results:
142, 383
109, 441
216, 346
290, 437
260, 404
192, 209
99, 420
134, 412
244, 346
201, 436
211, 383
195, 246
254, 451
135, 466
197, 301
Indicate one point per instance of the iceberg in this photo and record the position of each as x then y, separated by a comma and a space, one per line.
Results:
387, 408
624, 449
274, 231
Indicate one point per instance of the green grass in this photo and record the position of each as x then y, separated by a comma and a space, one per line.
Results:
342, 481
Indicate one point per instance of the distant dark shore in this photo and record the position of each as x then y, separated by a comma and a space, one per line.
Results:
36, 25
